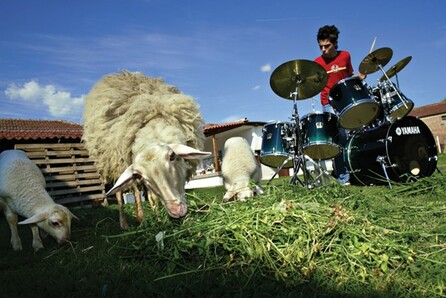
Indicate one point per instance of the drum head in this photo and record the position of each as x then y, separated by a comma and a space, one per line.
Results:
406, 149
412, 146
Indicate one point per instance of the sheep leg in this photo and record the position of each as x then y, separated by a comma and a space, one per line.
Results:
37, 242
139, 212
122, 219
12, 219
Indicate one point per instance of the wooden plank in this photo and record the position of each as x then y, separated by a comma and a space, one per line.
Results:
74, 183
74, 190
70, 174
34, 154
68, 169
85, 198
49, 145
62, 160
69, 177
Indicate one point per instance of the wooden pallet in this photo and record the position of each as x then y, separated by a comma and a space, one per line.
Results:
70, 174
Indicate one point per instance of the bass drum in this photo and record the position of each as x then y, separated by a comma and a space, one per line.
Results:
406, 148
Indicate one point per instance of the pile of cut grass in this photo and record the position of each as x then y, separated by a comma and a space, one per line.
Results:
291, 242
355, 240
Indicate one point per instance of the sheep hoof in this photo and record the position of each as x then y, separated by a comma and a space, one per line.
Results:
17, 246
123, 223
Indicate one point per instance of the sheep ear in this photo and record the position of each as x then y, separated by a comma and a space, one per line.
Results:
35, 219
188, 152
74, 216
125, 180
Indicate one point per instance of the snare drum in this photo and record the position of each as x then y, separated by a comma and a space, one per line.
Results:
350, 97
275, 148
396, 105
406, 149
320, 135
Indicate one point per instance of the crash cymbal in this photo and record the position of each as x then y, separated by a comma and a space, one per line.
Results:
304, 76
372, 61
396, 68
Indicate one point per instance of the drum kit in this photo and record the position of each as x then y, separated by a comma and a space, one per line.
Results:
383, 142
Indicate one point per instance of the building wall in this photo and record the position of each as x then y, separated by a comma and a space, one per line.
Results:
437, 125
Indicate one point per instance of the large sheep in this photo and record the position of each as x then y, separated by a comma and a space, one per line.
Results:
136, 127
239, 167
22, 192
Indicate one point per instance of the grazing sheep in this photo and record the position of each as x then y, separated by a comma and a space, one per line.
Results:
136, 127
239, 166
22, 192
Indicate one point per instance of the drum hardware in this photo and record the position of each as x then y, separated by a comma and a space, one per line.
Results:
381, 160
436, 159
376, 60
296, 80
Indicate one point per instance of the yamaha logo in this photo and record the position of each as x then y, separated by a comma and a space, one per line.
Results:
410, 130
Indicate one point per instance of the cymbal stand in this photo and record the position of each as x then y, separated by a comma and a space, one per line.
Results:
394, 88
299, 160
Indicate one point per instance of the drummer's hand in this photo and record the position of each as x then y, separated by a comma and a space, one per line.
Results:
361, 76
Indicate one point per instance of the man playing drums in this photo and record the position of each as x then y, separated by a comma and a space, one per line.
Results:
338, 66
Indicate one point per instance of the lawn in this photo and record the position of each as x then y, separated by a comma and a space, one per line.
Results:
330, 241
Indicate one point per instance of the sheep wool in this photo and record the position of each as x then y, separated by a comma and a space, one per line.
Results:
135, 121
239, 167
22, 192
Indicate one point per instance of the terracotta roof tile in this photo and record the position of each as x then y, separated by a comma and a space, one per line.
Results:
429, 110
212, 129
39, 129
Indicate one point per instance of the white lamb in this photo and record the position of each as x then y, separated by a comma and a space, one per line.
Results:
239, 167
22, 192
136, 127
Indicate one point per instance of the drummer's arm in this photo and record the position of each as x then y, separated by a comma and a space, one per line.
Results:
360, 75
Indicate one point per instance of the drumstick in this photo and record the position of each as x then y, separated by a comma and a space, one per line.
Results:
373, 45
336, 69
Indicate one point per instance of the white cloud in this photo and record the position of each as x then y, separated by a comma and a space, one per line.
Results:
256, 87
265, 68
59, 103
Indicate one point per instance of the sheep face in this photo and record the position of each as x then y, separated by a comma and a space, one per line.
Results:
55, 221
163, 170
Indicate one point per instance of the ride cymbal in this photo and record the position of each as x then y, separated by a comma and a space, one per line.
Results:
372, 61
396, 68
305, 77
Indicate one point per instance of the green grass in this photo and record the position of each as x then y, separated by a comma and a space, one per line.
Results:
291, 242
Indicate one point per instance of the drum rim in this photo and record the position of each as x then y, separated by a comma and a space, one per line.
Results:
318, 113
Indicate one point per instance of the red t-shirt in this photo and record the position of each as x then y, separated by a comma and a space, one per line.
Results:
338, 68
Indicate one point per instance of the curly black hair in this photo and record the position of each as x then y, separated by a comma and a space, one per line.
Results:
328, 32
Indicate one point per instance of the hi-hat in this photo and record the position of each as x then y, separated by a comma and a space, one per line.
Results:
305, 77
374, 60
396, 68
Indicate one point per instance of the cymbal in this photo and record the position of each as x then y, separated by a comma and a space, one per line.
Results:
396, 68
372, 61
305, 77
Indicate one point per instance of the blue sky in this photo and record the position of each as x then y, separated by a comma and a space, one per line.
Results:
222, 53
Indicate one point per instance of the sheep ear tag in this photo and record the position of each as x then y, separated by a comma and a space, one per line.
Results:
124, 181
188, 152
